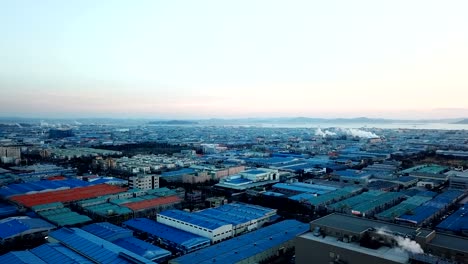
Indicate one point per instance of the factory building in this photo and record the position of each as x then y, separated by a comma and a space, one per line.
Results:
321, 201
339, 238
367, 203
214, 230
458, 180
250, 179
47, 253
94, 248
66, 196
40, 187
255, 247
219, 223
60, 215
172, 238
352, 176
12, 228
456, 223
124, 238
431, 209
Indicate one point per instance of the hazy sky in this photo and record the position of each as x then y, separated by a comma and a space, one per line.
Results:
190, 59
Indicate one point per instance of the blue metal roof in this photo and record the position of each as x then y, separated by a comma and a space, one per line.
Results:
177, 236
431, 207
353, 173
305, 187
94, 247
143, 248
406, 178
194, 219
22, 188
458, 221
108, 231
7, 210
14, 226
18, 257
56, 253
419, 214
236, 213
245, 246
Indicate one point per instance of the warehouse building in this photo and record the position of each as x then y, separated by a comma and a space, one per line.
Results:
47, 253
243, 217
367, 203
456, 223
93, 247
458, 180
403, 208
219, 223
19, 227
59, 215
320, 201
124, 237
255, 247
249, 179
431, 209
362, 240
66, 196
352, 176
173, 238
215, 230
300, 187
39, 187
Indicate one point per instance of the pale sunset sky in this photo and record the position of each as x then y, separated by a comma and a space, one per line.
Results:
203, 59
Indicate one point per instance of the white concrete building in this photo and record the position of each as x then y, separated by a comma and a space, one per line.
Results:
214, 230
144, 182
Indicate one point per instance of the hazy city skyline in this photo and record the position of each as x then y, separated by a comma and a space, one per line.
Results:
204, 59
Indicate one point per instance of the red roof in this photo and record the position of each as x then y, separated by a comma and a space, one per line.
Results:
69, 195
135, 206
56, 178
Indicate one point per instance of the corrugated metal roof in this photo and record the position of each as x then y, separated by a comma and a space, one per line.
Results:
177, 236
245, 246
56, 253
124, 237
236, 213
143, 248
135, 206
18, 257
39, 186
194, 219
458, 221
16, 226
95, 248
67, 195
108, 231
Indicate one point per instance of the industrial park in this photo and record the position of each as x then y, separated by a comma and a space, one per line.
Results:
113, 193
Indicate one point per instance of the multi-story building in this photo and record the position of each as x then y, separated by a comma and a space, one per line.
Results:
144, 182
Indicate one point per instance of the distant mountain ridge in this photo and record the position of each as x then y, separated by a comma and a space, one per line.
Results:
462, 122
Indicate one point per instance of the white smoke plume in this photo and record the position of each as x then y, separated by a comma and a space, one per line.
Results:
320, 133
404, 243
359, 133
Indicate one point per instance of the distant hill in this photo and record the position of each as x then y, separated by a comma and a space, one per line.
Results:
173, 122
462, 122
